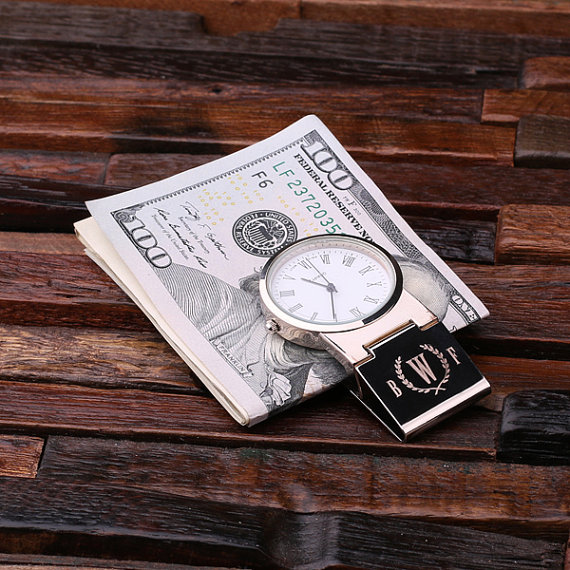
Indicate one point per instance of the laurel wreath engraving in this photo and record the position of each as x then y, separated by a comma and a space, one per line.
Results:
410, 385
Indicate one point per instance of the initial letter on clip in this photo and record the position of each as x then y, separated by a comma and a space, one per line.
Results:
394, 388
453, 354
420, 365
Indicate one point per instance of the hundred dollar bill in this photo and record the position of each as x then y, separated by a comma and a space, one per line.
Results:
189, 249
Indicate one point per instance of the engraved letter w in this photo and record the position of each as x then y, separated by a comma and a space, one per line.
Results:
420, 365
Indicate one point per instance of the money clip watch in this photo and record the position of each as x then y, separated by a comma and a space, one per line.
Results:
345, 295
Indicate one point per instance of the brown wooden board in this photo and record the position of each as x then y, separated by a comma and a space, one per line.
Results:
94, 357
53, 206
546, 73
506, 107
182, 31
74, 166
128, 460
513, 293
67, 126
40, 561
30, 204
72, 290
20, 455
221, 102
293, 480
184, 530
543, 142
333, 422
100, 358
507, 16
153, 44
226, 17
535, 428
46, 243
533, 234
474, 188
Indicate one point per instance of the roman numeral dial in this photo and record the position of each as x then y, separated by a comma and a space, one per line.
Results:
331, 280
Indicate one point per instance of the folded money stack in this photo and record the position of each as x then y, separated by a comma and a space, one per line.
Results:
189, 249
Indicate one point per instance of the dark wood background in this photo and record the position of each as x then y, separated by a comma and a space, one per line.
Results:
112, 454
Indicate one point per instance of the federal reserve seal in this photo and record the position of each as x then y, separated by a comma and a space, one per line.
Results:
264, 232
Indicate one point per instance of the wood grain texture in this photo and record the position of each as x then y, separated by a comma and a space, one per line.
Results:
512, 17
199, 531
511, 374
53, 206
142, 468
533, 234
535, 428
543, 142
211, 66
222, 101
72, 290
67, 290
67, 126
96, 358
182, 31
506, 107
226, 18
41, 562
30, 204
511, 293
552, 73
20, 456
220, 17
475, 188
142, 360
73, 167
45, 243
278, 479
163, 416
166, 45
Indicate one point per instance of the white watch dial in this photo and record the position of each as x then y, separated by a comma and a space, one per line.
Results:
331, 280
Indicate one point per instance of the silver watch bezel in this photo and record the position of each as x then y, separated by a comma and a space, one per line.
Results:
303, 331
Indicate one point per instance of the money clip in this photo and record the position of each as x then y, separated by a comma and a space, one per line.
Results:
416, 378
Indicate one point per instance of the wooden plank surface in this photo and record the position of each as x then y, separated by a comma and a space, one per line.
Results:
222, 100
72, 290
35, 562
391, 54
543, 18
543, 141
73, 166
546, 73
38, 205
533, 234
508, 106
535, 428
92, 127
227, 18
112, 453
267, 537
20, 456
327, 482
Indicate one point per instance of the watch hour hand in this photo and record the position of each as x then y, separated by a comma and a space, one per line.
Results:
328, 286
314, 282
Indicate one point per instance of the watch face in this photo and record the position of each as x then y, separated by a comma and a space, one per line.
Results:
331, 282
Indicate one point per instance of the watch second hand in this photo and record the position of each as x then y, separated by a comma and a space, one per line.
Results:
332, 303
